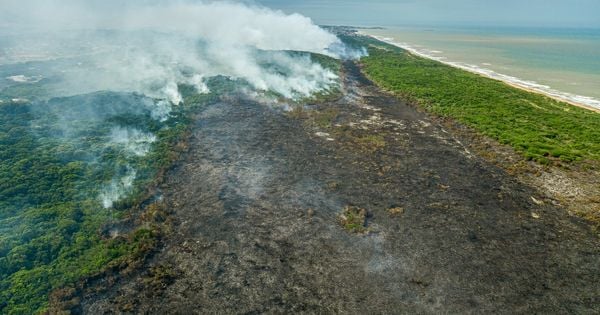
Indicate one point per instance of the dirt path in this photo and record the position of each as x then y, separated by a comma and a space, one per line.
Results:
256, 202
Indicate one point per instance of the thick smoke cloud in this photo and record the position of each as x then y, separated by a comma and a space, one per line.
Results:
152, 47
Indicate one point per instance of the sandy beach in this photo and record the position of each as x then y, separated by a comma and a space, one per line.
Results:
575, 100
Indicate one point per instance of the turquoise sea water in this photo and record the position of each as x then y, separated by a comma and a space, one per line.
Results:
555, 50
559, 61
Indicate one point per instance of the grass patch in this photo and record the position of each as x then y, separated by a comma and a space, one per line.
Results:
371, 142
325, 118
354, 219
396, 211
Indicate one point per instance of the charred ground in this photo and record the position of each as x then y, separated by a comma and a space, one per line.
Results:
257, 203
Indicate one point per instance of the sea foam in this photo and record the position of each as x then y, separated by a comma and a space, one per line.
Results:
578, 100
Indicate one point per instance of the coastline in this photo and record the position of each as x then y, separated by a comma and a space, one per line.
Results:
584, 102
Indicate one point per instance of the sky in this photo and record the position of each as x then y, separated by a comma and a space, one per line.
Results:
530, 13
519, 13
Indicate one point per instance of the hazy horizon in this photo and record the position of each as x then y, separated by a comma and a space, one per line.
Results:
495, 13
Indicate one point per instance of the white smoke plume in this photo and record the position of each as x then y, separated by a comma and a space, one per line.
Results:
152, 46
118, 188
132, 141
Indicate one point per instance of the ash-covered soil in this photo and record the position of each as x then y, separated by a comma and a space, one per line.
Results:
257, 200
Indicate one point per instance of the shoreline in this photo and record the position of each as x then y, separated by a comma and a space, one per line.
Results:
569, 98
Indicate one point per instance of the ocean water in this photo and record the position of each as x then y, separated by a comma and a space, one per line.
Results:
555, 51
561, 62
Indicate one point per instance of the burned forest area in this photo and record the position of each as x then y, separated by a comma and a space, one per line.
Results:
357, 204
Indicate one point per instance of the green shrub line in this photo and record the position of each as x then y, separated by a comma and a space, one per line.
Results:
539, 127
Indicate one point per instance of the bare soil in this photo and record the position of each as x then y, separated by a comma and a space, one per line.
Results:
257, 201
